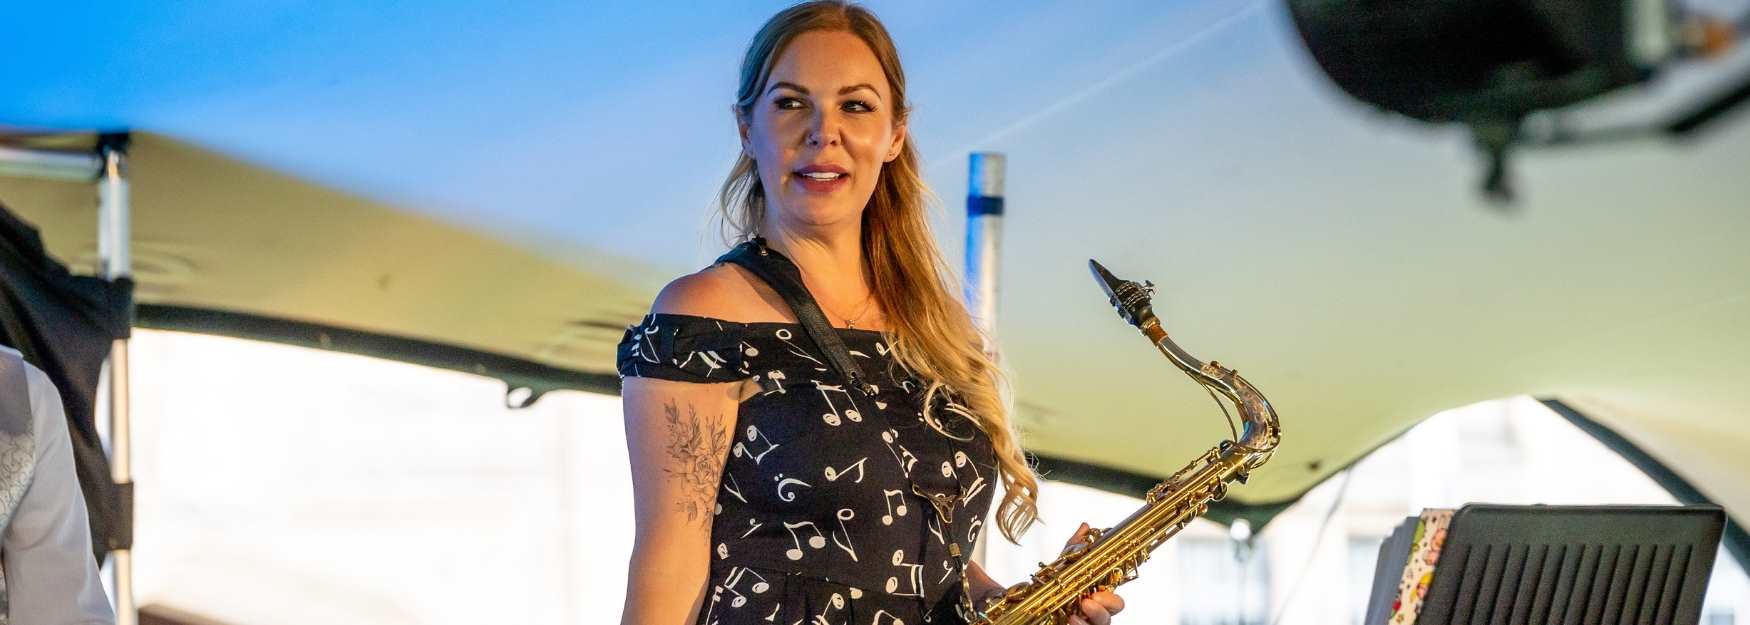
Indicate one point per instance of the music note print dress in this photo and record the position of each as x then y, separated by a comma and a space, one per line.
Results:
821, 517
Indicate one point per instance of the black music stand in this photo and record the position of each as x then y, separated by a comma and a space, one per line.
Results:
1534, 565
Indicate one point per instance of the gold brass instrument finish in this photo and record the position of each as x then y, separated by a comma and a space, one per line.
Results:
1112, 555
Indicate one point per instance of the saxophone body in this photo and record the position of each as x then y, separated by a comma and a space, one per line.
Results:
1110, 556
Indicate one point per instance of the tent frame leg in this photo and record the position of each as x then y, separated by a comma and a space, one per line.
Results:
115, 259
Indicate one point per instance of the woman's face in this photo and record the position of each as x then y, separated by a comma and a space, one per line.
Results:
821, 130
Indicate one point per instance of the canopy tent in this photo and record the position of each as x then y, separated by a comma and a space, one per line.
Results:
502, 191
224, 247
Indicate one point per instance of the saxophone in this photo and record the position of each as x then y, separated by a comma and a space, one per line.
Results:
1110, 556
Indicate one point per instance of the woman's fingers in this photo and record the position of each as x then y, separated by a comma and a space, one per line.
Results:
1096, 608
1094, 613
1110, 600
1076, 539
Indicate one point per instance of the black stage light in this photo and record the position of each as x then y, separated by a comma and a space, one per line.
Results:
1489, 64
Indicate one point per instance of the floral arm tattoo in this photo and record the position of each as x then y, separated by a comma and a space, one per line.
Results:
697, 453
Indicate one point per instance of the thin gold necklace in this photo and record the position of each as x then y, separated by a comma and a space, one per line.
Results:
868, 301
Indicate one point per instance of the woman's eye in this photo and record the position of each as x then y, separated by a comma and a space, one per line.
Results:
788, 103
858, 106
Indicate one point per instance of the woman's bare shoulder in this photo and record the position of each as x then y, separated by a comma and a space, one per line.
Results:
721, 291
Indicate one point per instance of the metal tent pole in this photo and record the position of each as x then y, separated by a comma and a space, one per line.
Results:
984, 231
115, 263
77, 167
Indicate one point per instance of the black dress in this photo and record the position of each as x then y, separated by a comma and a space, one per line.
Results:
819, 517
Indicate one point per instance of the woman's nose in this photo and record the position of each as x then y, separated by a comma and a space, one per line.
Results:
824, 130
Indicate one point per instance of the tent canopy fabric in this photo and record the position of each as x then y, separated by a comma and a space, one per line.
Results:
518, 184
225, 247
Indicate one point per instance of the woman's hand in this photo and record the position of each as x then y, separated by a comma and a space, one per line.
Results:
1096, 608
982, 586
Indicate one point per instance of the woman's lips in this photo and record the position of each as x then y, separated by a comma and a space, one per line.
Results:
812, 185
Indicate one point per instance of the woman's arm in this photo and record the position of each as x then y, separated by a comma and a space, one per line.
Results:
677, 438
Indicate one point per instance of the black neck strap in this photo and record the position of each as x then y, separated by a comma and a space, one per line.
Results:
786, 278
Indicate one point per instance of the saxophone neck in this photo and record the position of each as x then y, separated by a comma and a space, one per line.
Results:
1134, 303
1259, 424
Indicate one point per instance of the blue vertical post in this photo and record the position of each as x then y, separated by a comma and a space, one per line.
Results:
984, 232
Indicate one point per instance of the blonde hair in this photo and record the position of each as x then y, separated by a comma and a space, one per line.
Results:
930, 331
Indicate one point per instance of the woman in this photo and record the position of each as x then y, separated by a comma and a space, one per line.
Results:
769, 487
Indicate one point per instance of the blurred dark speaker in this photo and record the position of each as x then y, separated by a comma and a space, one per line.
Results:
1486, 61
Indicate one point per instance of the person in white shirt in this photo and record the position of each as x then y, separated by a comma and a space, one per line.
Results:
47, 573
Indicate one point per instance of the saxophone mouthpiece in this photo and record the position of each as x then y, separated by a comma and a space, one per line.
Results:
1131, 299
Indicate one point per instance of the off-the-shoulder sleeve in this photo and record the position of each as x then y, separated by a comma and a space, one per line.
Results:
683, 348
